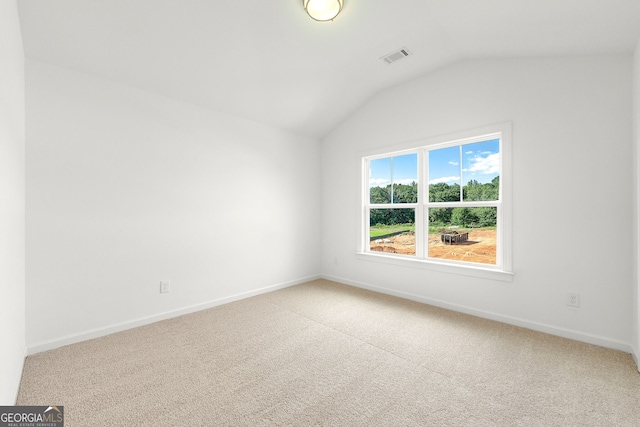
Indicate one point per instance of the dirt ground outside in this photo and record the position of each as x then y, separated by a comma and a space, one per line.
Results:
480, 248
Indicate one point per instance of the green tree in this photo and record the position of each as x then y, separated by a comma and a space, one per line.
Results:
486, 216
379, 216
440, 216
463, 217
403, 216
380, 195
472, 191
443, 192
475, 191
391, 216
405, 193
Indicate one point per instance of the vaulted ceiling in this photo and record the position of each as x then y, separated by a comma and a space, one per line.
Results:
266, 60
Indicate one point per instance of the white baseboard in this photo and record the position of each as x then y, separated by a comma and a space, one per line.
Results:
536, 326
100, 332
636, 357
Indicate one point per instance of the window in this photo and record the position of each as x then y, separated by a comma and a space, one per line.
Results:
444, 202
393, 199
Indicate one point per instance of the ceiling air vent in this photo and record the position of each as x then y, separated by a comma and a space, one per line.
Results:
396, 56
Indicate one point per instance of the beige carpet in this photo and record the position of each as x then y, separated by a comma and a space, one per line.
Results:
332, 355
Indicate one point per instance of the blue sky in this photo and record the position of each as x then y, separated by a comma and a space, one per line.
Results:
403, 168
480, 161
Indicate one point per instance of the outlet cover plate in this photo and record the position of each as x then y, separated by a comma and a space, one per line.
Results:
165, 286
573, 299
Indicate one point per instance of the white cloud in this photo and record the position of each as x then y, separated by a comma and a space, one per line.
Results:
454, 163
383, 182
406, 181
485, 165
445, 179
378, 182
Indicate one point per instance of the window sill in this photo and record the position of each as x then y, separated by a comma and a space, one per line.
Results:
464, 270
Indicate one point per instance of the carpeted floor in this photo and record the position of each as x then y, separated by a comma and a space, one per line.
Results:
326, 354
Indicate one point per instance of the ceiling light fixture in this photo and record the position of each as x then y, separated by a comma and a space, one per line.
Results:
323, 10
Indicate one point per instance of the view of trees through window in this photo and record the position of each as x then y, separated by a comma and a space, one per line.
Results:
393, 181
460, 204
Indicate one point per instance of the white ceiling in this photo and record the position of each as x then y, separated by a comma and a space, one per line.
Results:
266, 60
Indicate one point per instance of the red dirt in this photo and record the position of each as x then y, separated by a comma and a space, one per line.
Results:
480, 248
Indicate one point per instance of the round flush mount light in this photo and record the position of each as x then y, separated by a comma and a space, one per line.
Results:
323, 10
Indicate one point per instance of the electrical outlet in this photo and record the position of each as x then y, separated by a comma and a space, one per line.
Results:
165, 286
573, 299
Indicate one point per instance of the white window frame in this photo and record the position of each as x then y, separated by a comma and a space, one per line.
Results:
502, 270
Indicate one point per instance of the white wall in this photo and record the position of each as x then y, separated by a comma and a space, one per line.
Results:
636, 169
572, 177
12, 204
126, 188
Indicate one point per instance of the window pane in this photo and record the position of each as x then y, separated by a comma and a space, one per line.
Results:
394, 179
480, 170
392, 231
444, 175
405, 178
463, 234
380, 180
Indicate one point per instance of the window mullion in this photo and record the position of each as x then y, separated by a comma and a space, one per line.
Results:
391, 180
460, 163
419, 238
